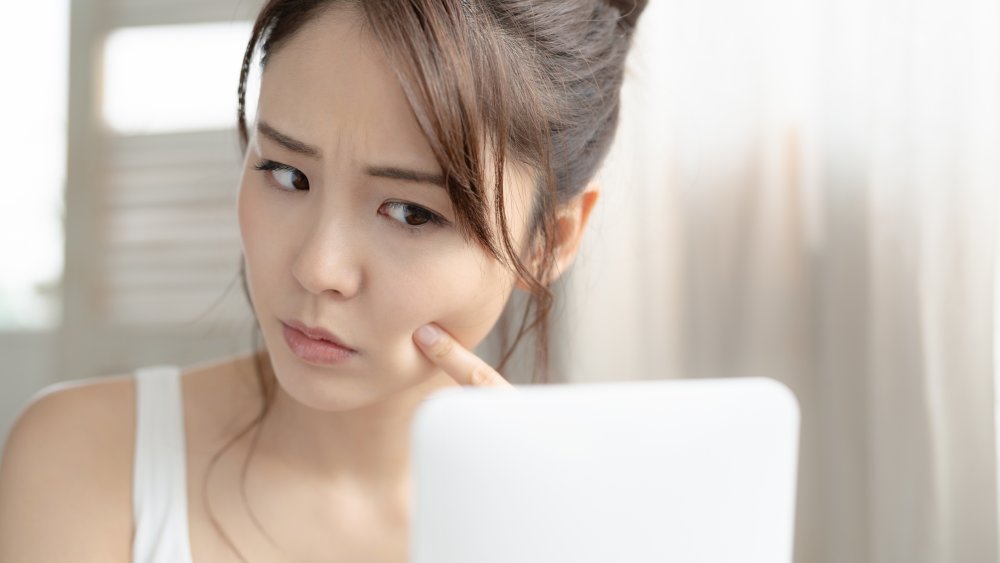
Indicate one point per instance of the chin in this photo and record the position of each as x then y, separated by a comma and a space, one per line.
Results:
331, 390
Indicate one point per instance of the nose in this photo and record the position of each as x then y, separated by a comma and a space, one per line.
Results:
329, 260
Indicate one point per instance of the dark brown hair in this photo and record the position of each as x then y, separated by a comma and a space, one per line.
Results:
533, 82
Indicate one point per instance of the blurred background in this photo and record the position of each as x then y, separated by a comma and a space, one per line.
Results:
800, 189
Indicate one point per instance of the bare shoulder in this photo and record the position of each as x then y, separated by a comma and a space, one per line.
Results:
66, 468
65, 474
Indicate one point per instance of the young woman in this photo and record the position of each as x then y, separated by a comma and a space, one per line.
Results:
411, 164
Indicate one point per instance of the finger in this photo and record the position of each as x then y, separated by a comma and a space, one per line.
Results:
464, 366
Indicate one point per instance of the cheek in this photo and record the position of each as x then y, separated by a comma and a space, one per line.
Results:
250, 215
261, 238
246, 219
478, 301
464, 295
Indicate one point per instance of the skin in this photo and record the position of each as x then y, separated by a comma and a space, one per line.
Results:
411, 300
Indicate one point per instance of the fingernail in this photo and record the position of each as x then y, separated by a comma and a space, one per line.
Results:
428, 335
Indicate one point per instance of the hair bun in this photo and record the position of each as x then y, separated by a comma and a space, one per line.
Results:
630, 10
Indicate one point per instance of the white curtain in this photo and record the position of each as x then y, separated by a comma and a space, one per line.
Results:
807, 190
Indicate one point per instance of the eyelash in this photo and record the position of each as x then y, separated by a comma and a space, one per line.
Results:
271, 166
432, 218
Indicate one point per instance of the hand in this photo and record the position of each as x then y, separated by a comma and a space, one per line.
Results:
465, 367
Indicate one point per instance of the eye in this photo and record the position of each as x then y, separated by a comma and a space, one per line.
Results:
409, 215
287, 177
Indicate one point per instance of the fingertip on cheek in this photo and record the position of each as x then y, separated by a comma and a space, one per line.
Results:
427, 335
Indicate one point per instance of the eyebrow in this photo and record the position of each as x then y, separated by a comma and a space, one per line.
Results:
394, 173
288, 142
390, 172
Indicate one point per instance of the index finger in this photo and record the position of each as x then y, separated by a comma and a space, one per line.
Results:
467, 368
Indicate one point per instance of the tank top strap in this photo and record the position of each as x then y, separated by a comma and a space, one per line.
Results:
159, 480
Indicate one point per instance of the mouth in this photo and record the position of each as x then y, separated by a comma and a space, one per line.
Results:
315, 345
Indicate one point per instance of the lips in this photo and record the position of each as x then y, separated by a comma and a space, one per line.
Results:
317, 333
325, 350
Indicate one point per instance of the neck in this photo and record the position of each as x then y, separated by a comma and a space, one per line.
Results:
365, 449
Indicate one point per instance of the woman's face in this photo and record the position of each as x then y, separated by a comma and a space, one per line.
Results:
336, 236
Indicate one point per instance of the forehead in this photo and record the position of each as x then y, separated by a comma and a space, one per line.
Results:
331, 85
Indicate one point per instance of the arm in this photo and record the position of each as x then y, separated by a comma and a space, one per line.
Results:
65, 477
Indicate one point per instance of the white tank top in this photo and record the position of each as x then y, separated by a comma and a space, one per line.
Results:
159, 473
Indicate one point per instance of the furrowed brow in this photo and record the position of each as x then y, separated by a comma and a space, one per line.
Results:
389, 172
289, 143
395, 173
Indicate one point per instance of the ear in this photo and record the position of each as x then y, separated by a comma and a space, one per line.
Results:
571, 223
